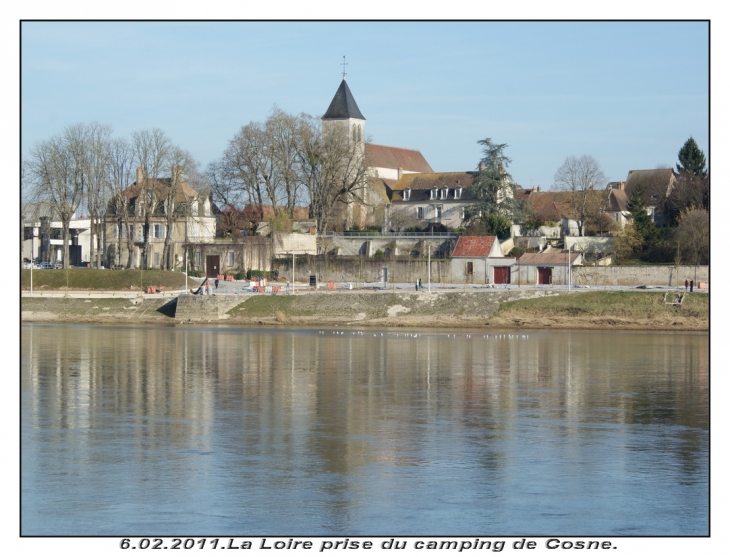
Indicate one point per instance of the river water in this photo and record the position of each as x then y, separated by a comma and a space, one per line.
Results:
174, 431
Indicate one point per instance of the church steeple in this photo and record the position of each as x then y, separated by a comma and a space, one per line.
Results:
343, 105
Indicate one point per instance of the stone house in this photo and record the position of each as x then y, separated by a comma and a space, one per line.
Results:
192, 215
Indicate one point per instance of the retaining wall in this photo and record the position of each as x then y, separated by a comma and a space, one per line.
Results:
370, 269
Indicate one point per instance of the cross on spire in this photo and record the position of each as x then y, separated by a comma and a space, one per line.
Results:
344, 73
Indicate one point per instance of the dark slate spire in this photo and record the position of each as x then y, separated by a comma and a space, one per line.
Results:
343, 105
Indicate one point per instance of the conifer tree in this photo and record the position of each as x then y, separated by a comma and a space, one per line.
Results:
692, 159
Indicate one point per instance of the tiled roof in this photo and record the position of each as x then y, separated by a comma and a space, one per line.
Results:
267, 212
383, 156
473, 246
550, 205
547, 258
161, 186
421, 185
343, 105
656, 182
618, 201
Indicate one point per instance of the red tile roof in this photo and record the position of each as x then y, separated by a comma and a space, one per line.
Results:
383, 156
473, 246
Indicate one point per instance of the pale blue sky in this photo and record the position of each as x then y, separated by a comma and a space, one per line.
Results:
627, 93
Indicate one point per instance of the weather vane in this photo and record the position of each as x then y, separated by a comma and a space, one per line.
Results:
344, 73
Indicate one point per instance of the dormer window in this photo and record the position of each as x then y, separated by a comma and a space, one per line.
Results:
457, 192
444, 193
407, 194
434, 192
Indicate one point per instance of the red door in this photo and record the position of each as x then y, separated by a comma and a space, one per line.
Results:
544, 275
501, 275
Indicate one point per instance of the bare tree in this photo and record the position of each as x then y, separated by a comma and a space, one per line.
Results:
402, 218
98, 185
57, 168
693, 236
334, 171
151, 148
121, 165
580, 176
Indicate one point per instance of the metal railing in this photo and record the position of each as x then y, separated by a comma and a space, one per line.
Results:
374, 234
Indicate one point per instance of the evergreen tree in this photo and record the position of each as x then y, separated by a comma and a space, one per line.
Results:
643, 222
692, 159
492, 182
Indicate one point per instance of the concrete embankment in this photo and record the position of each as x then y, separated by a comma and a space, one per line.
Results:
483, 308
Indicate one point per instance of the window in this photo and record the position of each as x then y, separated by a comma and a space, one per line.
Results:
437, 211
457, 192
407, 194
231, 258
156, 259
197, 258
444, 193
462, 213
419, 212
434, 192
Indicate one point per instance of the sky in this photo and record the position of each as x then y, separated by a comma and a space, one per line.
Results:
618, 91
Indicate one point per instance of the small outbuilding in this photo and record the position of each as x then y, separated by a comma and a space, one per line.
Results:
479, 259
546, 268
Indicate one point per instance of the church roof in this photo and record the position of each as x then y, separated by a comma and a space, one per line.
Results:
343, 105
383, 156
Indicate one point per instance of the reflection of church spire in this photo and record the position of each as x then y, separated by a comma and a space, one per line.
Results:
343, 105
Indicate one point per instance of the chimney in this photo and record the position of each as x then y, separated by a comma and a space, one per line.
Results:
481, 166
177, 174
538, 189
621, 185
400, 172
140, 175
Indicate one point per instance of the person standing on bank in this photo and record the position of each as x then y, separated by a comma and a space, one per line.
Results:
686, 284
216, 284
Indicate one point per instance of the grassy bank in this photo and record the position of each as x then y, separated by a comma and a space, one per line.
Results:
584, 310
101, 279
626, 310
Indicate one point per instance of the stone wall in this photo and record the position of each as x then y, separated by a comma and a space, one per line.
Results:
657, 275
403, 270
286, 244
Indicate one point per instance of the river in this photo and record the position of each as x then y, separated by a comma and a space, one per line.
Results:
289, 432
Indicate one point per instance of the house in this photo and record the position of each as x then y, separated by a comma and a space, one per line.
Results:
430, 200
479, 259
657, 185
43, 236
190, 216
546, 268
387, 163
618, 203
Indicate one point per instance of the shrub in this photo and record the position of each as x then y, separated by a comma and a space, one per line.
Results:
240, 275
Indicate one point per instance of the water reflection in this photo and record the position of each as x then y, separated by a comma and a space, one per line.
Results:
240, 431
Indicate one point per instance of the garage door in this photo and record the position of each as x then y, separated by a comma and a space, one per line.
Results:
501, 275
544, 275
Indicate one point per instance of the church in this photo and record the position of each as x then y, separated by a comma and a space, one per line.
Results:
403, 192
388, 164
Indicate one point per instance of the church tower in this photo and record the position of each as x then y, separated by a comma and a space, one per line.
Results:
343, 112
